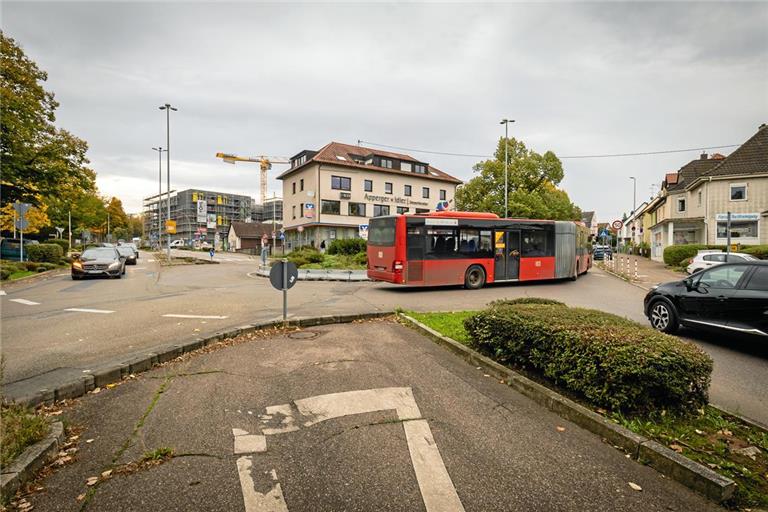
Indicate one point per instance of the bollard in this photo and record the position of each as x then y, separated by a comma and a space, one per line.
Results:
636, 269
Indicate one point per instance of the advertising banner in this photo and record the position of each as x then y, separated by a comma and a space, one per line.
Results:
362, 230
211, 223
202, 210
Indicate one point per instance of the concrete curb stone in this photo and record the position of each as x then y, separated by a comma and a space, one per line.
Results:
30, 461
683, 470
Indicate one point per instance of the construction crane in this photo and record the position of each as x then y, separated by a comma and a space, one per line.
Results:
265, 163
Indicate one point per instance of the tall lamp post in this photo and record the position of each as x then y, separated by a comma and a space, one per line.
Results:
167, 107
159, 193
634, 204
506, 122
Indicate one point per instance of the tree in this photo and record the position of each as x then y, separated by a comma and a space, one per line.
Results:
36, 216
136, 225
532, 178
36, 158
117, 216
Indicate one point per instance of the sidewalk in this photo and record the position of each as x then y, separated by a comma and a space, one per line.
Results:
363, 416
649, 272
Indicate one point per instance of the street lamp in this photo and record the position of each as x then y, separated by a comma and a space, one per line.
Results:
634, 205
506, 122
167, 107
159, 191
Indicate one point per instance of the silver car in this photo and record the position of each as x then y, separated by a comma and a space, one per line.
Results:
707, 259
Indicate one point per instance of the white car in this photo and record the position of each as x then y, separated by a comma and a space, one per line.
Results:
708, 258
178, 243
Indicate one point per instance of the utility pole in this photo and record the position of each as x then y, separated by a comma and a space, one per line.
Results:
70, 229
167, 107
109, 237
506, 122
159, 194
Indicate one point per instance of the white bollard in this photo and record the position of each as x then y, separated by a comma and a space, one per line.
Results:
636, 269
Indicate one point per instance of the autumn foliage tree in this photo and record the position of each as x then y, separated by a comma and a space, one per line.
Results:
532, 179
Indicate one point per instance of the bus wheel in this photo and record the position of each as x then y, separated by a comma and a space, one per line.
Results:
474, 278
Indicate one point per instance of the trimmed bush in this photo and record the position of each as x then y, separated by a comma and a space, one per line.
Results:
348, 246
360, 258
63, 243
50, 253
527, 300
675, 254
609, 361
758, 251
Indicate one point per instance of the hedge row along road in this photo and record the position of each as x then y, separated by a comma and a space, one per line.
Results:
43, 341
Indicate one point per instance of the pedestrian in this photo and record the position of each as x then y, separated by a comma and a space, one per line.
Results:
212, 252
322, 247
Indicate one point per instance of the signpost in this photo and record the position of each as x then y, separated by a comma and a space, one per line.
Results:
21, 223
283, 276
170, 227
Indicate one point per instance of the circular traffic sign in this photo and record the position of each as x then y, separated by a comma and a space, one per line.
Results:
617, 224
300, 229
277, 272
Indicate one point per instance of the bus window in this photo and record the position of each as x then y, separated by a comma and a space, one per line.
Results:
381, 232
442, 243
474, 243
536, 243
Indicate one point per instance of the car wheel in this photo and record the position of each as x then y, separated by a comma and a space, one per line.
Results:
75, 278
663, 317
474, 278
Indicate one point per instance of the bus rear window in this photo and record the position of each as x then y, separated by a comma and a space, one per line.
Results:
381, 232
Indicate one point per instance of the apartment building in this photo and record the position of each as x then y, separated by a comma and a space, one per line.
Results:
332, 192
693, 204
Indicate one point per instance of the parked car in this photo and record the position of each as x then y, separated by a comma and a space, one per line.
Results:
601, 252
708, 258
178, 243
98, 261
128, 253
133, 246
731, 297
10, 248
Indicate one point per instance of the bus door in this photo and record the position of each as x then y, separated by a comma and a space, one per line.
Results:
506, 255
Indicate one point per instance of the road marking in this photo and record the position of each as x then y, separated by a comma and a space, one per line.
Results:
254, 501
150, 261
213, 317
437, 489
25, 302
85, 310
248, 443
2, 292
139, 268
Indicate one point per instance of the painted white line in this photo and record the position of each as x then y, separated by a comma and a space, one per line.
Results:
139, 268
248, 443
86, 310
435, 483
212, 317
26, 302
325, 407
2, 292
150, 261
254, 501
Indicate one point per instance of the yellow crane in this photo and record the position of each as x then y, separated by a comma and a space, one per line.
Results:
265, 164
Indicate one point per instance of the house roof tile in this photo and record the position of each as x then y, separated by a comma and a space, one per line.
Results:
750, 158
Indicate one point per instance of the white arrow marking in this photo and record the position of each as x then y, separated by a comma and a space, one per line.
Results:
85, 310
213, 317
272, 501
26, 302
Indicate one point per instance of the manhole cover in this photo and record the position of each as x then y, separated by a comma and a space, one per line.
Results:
303, 335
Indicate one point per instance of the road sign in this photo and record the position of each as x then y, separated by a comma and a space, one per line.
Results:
604, 234
300, 229
170, 227
21, 208
22, 223
86, 235
283, 271
309, 206
617, 224
362, 230
59, 230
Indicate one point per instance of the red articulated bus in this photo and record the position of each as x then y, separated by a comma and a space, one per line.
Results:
451, 248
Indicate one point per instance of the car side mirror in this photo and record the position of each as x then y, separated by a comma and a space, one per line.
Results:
689, 285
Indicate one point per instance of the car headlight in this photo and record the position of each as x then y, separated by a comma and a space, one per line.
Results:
114, 265
77, 264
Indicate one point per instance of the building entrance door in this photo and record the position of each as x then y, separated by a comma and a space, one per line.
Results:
507, 255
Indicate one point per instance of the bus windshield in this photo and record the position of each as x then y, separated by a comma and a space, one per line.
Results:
381, 232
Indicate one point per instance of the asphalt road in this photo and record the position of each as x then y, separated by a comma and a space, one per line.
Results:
370, 416
43, 341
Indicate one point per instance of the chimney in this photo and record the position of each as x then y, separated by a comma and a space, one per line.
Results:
703, 155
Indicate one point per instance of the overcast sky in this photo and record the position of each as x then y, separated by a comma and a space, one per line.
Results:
255, 78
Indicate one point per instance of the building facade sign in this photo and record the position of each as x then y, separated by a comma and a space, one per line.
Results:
403, 201
211, 221
723, 217
202, 210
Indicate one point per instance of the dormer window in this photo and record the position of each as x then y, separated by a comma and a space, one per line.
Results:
387, 163
420, 168
300, 161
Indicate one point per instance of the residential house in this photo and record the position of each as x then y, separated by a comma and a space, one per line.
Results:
590, 221
248, 236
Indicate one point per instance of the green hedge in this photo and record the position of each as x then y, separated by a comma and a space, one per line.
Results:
63, 243
348, 246
609, 361
675, 254
50, 253
758, 251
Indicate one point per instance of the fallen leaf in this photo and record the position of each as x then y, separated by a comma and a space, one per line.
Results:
700, 432
486, 375
55, 413
106, 473
634, 486
89, 441
726, 432
676, 447
96, 391
110, 386
560, 429
92, 481
81, 497
74, 438
601, 410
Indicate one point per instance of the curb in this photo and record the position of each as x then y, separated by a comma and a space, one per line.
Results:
30, 461
8, 285
667, 462
121, 368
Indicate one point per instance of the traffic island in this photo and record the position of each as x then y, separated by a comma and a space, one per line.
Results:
708, 451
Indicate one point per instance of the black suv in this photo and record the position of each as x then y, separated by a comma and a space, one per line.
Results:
731, 297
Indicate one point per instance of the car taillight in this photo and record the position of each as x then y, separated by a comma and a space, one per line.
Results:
398, 265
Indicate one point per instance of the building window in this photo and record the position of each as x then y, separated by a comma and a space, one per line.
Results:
341, 183
406, 166
407, 190
425, 192
420, 168
380, 210
357, 209
294, 187
422, 210
330, 207
401, 210
293, 210
301, 184
739, 229
739, 192
442, 195
301, 210
387, 188
386, 163
699, 197
680, 205
368, 185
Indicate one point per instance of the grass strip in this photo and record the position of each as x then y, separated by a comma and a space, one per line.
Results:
19, 428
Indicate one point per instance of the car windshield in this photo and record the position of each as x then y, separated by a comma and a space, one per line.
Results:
98, 253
